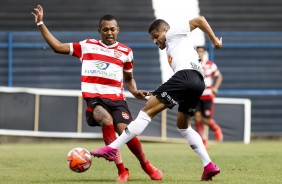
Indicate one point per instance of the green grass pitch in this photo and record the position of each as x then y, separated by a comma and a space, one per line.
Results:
45, 162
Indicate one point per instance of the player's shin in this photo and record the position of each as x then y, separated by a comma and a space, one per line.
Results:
109, 135
196, 143
136, 148
135, 128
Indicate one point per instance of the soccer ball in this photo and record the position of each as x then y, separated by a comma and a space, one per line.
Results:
79, 160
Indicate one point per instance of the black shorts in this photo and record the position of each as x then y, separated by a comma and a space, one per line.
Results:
118, 110
184, 88
206, 108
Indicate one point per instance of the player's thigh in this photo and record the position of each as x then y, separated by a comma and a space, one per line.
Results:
200, 106
121, 115
98, 117
207, 120
198, 116
153, 106
102, 116
207, 108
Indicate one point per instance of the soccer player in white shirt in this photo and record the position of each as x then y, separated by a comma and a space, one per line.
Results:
105, 63
184, 88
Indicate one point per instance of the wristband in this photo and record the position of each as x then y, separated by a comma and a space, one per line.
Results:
39, 23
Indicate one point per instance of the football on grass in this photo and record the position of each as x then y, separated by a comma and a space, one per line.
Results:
79, 160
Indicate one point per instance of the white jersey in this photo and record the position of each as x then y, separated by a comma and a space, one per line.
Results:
180, 51
102, 68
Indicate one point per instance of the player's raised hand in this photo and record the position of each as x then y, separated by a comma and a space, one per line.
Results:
217, 43
38, 14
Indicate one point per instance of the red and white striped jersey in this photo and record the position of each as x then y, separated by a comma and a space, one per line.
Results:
211, 71
102, 68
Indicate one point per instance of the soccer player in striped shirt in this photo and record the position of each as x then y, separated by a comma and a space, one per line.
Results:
105, 63
204, 110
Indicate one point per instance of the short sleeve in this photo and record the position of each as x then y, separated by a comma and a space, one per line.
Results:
179, 28
75, 49
128, 65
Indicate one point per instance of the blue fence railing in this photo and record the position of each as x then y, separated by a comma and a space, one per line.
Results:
247, 40
141, 40
240, 42
8, 41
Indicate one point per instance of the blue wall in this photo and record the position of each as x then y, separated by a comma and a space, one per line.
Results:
251, 64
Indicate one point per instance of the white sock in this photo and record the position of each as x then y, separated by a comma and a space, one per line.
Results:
135, 128
196, 143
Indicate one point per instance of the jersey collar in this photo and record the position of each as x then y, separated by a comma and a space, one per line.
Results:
108, 46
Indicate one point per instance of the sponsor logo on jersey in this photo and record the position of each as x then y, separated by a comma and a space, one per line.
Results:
105, 50
168, 98
190, 110
122, 48
102, 65
94, 47
125, 115
198, 68
93, 41
100, 73
163, 94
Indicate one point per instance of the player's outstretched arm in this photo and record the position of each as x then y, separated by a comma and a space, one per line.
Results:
131, 86
201, 23
55, 44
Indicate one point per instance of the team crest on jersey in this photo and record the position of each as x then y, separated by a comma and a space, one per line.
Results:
207, 112
117, 54
125, 115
